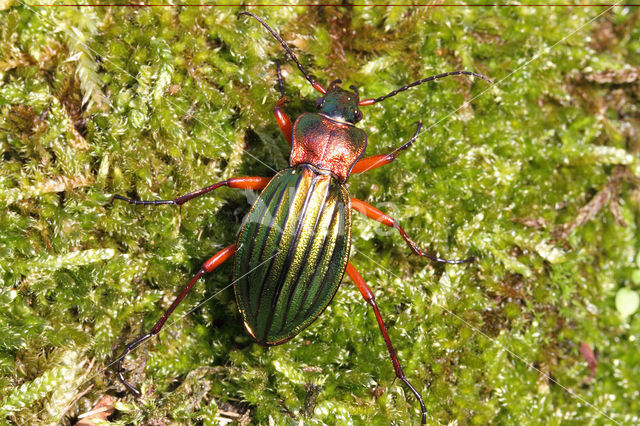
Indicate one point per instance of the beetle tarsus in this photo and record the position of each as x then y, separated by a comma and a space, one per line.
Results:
129, 348
423, 408
449, 261
151, 203
397, 151
418, 251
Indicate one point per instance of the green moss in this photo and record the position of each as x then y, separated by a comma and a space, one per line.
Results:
535, 177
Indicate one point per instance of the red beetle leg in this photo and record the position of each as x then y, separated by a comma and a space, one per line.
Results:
208, 266
281, 117
374, 161
248, 182
283, 120
375, 214
368, 296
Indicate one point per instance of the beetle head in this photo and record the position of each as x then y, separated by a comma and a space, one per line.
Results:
340, 104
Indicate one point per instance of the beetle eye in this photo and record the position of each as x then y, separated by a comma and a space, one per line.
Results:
319, 102
358, 116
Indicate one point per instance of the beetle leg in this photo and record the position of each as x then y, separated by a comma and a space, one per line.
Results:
281, 117
249, 182
375, 161
208, 266
368, 296
375, 214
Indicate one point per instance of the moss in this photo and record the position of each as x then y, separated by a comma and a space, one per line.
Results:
537, 177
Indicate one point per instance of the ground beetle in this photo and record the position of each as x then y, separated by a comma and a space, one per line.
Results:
293, 248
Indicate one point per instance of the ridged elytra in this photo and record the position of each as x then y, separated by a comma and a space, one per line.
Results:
293, 248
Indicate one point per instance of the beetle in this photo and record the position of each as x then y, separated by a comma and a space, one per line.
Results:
292, 250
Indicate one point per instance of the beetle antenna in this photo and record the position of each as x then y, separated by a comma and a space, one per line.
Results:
416, 83
286, 47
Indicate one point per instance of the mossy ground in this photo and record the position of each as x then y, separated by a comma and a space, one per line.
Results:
538, 177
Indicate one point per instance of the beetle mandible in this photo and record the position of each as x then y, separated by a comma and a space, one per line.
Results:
293, 248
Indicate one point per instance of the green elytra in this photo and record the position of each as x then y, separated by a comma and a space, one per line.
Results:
291, 253
293, 248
